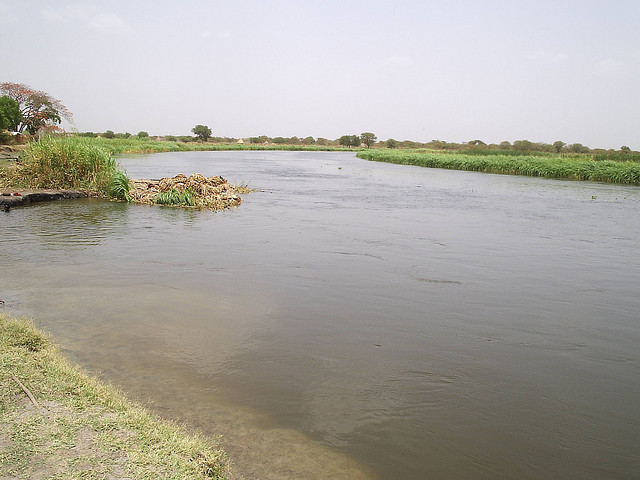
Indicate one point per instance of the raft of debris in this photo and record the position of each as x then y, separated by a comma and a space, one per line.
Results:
195, 191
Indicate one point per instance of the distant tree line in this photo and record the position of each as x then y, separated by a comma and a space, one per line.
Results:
476, 147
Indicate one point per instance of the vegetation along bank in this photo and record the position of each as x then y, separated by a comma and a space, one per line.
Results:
87, 166
58, 422
576, 167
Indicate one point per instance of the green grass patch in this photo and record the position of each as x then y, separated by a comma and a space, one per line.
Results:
559, 167
83, 428
174, 196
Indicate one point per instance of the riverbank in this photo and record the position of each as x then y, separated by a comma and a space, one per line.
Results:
142, 146
14, 198
557, 167
58, 422
55, 168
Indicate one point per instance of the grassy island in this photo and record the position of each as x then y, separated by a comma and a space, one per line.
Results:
58, 422
571, 167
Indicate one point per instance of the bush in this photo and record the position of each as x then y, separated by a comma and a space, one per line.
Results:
5, 137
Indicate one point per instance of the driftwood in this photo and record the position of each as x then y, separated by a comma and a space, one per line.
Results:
26, 390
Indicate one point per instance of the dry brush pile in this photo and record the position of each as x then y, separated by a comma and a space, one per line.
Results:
194, 191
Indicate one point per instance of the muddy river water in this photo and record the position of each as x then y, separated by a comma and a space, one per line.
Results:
356, 320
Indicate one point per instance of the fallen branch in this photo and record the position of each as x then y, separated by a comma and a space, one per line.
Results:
26, 390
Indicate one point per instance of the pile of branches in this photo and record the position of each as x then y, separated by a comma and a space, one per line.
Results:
194, 191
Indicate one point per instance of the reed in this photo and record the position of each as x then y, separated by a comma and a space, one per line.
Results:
65, 163
558, 167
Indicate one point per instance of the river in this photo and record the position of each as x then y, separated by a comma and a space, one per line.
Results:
354, 319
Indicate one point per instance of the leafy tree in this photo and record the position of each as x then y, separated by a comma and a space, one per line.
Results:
558, 145
578, 148
391, 143
308, 140
438, 144
142, 134
280, 140
523, 145
504, 145
37, 108
477, 143
322, 141
368, 139
202, 132
109, 134
10, 115
349, 141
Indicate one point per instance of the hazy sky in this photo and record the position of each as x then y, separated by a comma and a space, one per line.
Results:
456, 70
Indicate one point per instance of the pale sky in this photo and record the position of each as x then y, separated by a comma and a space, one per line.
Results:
455, 70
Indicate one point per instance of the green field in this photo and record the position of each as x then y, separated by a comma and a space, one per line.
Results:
574, 167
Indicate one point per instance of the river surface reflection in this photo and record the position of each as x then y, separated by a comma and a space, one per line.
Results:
354, 319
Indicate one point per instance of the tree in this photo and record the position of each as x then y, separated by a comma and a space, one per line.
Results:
477, 143
523, 145
143, 134
368, 138
391, 143
578, 148
349, 141
38, 109
10, 115
109, 134
202, 132
558, 145
624, 148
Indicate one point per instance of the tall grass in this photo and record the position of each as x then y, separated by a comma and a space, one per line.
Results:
572, 168
66, 163
119, 186
619, 156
